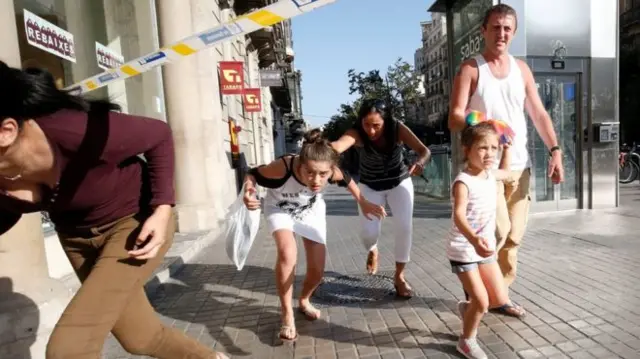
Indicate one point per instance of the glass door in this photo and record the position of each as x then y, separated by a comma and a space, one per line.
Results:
560, 97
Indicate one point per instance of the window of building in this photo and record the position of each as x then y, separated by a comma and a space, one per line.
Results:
102, 34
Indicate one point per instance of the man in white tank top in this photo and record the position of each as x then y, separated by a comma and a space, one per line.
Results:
502, 87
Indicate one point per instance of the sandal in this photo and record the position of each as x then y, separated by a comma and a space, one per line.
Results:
310, 312
288, 329
406, 293
510, 309
372, 262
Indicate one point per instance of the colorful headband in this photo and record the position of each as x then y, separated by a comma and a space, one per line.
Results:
505, 132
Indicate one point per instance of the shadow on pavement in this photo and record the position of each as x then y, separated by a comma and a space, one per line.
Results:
233, 304
423, 208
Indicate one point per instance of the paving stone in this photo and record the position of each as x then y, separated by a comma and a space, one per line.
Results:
576, 279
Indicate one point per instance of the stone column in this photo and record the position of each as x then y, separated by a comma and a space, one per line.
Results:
30, 301
182, 98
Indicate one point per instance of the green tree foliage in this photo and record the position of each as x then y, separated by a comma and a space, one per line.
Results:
399, 89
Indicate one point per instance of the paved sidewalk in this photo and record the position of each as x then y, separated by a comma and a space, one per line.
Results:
578, 279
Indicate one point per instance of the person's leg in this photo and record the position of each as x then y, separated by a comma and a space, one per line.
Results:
370, 228
285, 275
473, 311
518, 208
315, 253
107, 298
497, 290
400, 201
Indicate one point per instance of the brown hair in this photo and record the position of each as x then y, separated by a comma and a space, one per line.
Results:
472, 134
500, 10
317, 148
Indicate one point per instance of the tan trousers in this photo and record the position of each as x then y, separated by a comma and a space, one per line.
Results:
511, 220
112, 299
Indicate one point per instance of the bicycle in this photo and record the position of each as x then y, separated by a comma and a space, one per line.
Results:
628, 163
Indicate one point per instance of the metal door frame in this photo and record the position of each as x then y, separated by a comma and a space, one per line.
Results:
543, 68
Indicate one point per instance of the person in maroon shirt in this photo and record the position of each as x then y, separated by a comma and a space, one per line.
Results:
79, 161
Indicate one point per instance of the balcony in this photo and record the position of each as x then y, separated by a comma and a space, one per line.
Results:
630, 17
241, 7
268, 41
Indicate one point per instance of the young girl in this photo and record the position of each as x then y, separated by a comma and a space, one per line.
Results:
472, 242
294, 204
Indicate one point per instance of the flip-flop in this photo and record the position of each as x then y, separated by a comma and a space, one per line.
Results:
510, 309
404, 294
310, 314
283, 332
372, 262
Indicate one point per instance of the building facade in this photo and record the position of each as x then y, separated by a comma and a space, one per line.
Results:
434, 44
94, 36
629, 20
573, 53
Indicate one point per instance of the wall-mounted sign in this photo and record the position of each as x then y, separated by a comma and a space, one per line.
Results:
231, 77
107, 58
235, 144
48, 37
270, 78
252, 100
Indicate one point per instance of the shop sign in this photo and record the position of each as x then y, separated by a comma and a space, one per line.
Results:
467, 47
48, 37
107, 58
231, 77
270, 78
252, 101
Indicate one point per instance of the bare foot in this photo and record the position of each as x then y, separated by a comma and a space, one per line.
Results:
403, 289
372, 261
309, 311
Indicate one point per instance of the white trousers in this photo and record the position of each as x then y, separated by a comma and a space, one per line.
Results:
400, 201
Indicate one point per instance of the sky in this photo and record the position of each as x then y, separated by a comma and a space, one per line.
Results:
360, 34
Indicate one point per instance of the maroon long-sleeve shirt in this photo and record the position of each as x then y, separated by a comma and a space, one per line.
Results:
100, 176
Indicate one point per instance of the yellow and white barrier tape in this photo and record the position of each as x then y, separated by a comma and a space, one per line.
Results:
245, 24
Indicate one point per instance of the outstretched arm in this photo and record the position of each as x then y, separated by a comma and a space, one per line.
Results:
266, 176
343, 179
407, 136
345, 141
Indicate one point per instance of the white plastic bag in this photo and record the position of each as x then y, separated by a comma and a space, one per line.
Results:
241, 228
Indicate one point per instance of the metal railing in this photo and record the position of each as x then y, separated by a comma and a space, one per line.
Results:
438, 174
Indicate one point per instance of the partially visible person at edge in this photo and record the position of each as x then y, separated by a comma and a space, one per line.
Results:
294, 205
502, 87
78, 160
384, 178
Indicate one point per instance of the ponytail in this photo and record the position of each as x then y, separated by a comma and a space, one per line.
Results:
317, 148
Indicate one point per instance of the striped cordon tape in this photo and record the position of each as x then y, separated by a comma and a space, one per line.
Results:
245, 24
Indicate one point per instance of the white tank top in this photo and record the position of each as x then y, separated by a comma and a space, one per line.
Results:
481, 215
503, 99
294, 199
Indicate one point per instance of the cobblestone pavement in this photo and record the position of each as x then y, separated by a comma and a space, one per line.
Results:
578, 279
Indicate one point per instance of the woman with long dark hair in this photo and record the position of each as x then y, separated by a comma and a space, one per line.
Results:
77, 159
384, 178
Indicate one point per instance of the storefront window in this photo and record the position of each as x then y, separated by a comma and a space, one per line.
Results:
467, 20
76, 39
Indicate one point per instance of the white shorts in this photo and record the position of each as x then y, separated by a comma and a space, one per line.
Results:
313, 226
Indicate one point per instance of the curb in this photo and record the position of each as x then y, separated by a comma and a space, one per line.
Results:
174, 266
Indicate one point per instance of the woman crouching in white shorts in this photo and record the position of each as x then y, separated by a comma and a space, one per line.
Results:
294, 204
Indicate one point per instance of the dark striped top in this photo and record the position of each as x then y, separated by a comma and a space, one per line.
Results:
382, 170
